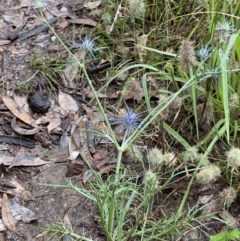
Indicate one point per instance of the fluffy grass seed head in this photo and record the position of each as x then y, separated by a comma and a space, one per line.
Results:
208, 174
187, 55
164, 115
205, 162
135, 89
161, 98
87, 44
190, 155
134, 153
229, 195
205, 114
136, 8
233, 101
170, 159
176, 104
233, 157
150, 179
156, 157
222, 31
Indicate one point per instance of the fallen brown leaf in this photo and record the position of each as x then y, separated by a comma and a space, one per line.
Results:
67, 102
87, 175
2, 226
88, 110
19, 113
26, 161
4, 42
26, 3
92, 5
64, 141
19, 191
90, 95
54, 123
6, 214
63, 12
228, 218
21, 130
71, 70
21, 101
68, 226
107, 169
83, 21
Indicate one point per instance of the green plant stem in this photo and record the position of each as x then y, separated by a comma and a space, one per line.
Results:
83, 68
206, 153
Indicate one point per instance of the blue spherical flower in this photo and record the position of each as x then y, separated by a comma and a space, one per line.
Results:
214, 72
87, 44
225, 26
128, 122
203, 53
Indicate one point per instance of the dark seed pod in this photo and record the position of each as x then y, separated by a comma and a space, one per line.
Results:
38, 102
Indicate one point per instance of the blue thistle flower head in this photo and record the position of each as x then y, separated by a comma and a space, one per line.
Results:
214, 72
203, 53
225, 26
87, 44
128, 122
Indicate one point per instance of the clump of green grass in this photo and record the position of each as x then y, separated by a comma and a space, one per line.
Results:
48, 67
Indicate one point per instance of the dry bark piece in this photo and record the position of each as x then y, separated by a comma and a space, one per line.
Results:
21, 213
21, 130
90, 136
44, 138
38, 102
74, 169
24, 37
17, 141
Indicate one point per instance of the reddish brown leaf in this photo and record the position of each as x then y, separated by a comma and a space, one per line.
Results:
88, 111
107, 169
97, 157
